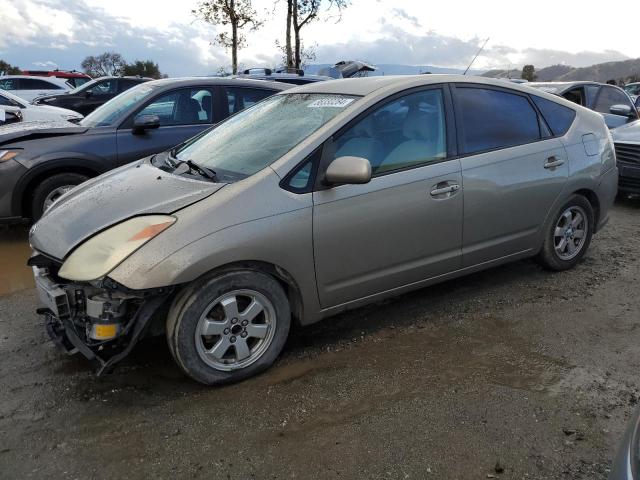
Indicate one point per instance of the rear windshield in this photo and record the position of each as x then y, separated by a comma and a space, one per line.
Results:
258, 136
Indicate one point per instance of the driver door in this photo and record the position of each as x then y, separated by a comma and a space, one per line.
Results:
183, 114
405, 225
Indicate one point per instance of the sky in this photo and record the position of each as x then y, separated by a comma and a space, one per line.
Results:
60, 33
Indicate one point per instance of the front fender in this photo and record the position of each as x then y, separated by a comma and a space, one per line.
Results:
51, 163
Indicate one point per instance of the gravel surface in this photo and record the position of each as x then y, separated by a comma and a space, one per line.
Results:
510, 373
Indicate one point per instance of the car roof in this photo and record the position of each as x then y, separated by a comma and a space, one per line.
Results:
35, 77
362, 86
231, 81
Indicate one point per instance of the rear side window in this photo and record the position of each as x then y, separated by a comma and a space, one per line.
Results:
494, 119
558, 117
36, 84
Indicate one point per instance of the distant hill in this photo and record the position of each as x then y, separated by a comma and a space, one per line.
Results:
601, 72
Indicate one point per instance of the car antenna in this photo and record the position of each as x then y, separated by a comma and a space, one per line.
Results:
474, 58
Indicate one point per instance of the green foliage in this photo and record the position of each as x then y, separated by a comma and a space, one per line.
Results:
7, 69
106, 64
529, 73
143, 68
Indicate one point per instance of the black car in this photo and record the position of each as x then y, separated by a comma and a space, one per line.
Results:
40, 161
89, 96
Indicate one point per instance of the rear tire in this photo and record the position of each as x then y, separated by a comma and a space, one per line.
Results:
568, 235
50, 189
225, 328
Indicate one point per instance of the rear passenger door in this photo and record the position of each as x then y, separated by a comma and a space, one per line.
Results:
405, 225
513, 170
183, 113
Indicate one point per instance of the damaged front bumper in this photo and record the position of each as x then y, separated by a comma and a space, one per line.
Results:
101, 320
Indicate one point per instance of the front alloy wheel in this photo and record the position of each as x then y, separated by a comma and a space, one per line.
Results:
229, 326
235, 330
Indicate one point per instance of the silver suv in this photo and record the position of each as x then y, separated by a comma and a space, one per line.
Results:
316, 200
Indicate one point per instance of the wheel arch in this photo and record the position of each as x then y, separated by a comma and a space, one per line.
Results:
593, 199
281, 275
21, 202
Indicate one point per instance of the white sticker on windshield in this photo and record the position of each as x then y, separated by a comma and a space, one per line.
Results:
335, 102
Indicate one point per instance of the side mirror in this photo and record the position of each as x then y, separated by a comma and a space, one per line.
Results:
88, 93
622, 110
352, 170
145, 122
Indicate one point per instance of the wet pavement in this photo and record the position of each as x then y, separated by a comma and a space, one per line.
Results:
511, 373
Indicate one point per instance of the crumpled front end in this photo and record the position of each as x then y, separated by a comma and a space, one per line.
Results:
102, 320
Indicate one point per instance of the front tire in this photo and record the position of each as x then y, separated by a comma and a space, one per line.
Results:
50, 189
228, 327
568, 235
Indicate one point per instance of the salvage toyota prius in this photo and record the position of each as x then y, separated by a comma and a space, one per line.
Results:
317, 200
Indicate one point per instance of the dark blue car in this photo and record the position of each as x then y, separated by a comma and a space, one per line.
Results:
41, 161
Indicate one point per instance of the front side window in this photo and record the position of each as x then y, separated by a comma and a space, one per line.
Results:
255, 138
405, 132
108, 113
241, 98
609, 97
187, 106
493, 119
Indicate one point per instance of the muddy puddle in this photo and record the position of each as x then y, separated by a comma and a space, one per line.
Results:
14, 252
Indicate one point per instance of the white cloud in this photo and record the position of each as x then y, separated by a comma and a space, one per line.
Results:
381, 31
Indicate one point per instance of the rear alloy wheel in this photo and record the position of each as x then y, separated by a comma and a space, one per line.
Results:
568, 235
51, 189
225, 328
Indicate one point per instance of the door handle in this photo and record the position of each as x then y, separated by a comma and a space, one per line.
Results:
553, 162
443, 190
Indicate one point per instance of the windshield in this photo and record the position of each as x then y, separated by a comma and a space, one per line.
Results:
106, 114
258, 136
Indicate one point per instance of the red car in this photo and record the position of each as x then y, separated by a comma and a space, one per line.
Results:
74, 77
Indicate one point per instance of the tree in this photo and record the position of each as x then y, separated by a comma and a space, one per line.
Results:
304, 12
529, 73
144, 68
233, 14
109, 63
306, 55
7, 69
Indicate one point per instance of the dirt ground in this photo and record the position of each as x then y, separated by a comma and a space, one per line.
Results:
510, 373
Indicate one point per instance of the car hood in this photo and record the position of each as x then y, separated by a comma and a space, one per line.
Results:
58, 110
629, 132
31, 130
135, 189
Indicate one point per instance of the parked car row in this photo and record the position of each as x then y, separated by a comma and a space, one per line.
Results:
49, 158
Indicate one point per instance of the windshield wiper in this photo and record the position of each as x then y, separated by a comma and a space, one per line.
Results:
204, 171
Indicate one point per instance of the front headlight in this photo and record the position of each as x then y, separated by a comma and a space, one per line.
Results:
102, 253
8, 154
